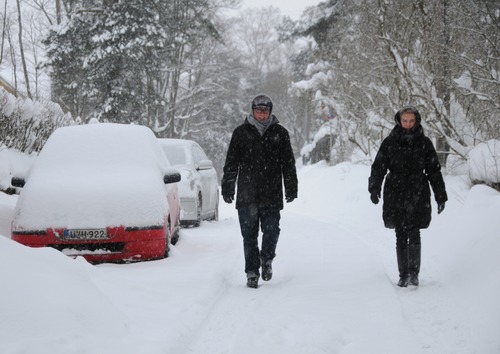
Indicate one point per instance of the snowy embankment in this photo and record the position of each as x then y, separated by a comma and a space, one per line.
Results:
333, 290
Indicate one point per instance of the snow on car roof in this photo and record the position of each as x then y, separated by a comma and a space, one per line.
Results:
176, 141
95, 176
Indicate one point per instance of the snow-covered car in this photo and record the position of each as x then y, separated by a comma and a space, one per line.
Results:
102, 191
199, 187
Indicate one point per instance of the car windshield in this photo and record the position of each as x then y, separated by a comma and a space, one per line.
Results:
175, 154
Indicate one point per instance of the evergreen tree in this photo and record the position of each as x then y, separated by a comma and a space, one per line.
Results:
123, 63
67, 48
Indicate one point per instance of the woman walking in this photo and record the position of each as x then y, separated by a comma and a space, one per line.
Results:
411, 160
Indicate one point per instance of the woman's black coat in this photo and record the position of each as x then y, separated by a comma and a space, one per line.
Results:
412, 163
260, 164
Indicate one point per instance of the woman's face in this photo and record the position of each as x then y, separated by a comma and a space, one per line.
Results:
408, 120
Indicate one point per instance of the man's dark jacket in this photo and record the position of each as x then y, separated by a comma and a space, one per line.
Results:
412, 163
260, 164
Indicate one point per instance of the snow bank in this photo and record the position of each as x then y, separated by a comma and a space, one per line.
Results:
13, 163
484, 163
45, 294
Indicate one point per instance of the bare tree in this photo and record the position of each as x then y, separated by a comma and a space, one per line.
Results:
21, 50
4, 24
441, 56
258, 39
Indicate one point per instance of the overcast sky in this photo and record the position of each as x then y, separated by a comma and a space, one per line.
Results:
291, 8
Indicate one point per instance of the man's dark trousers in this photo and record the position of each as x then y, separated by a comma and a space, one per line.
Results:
269, 219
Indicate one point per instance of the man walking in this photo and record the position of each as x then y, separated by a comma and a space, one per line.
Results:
260, 158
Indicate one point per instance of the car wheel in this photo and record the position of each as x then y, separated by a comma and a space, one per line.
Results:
215, 217
175, 236
216, 212
198, 211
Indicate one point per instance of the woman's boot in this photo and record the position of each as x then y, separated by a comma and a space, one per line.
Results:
414, 263
404, 276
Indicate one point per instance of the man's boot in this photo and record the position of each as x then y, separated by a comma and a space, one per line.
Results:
252, 280
402, 254
414, 263
267, 269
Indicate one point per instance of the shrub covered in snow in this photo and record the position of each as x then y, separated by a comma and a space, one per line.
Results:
25, 124
321, 145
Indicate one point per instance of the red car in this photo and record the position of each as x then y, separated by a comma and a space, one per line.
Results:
102, 191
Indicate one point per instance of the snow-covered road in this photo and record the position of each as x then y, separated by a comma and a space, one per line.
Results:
333, 289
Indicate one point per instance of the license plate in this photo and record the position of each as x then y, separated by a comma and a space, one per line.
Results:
85, 234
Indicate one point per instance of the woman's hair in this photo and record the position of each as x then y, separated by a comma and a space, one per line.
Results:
407, 109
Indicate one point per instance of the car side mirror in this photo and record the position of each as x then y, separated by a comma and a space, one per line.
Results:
172, 177
18, 182
205, 165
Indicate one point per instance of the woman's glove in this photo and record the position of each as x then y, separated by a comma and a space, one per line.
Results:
374, 197
440, 207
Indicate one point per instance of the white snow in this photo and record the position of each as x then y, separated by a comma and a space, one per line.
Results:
484, 162
13, 163
92, 176
333, 289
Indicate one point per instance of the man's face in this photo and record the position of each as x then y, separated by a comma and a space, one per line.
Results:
261, 114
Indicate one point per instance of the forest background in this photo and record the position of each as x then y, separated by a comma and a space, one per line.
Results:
189, 69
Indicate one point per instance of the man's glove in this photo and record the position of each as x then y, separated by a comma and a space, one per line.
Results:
290, 198
374, 197
228, 198
440, 207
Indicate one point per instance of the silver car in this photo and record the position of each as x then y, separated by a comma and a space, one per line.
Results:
199, 188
